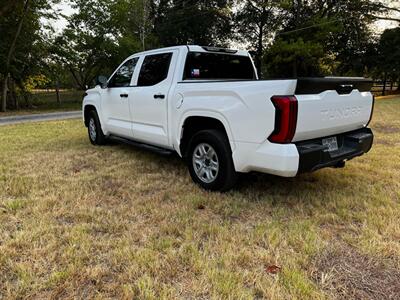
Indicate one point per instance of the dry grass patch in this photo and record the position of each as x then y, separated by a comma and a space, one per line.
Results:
387, 129
78, 221
347, 274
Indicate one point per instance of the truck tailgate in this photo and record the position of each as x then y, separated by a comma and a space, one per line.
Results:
332, 111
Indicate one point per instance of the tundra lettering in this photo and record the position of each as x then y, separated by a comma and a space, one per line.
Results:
340, 113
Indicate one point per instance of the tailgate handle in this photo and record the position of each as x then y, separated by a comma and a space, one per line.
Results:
345, 88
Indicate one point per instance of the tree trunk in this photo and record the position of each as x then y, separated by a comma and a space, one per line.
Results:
4, 93
294, 68
13, 94
26, 97
260, 40
79, 83
384, 84
58, 92
10, 56
16, 101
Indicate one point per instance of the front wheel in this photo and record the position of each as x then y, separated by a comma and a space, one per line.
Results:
96, 135
210, 161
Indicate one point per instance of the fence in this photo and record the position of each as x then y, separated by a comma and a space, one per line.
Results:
382, 89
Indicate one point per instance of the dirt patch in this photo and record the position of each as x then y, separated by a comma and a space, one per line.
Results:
112, 187
386, 128
344, 273
79, 166
384, 142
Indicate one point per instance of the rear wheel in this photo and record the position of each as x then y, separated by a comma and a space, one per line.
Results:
96, 135
210, 161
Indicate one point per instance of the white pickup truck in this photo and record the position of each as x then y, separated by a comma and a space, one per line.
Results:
209, 106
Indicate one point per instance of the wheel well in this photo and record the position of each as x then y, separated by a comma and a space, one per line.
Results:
195, 124
88, 109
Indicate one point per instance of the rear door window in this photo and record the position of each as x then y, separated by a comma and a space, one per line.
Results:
154, 69
212, 66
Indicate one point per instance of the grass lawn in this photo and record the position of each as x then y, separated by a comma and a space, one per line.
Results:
78, 221
45, 102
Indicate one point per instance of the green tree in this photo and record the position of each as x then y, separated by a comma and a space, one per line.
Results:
88, 44
294, 58
21, 43
256, 21
134, 20
389, 49
383, 57
10, 54
299, 48
340, 28
203, 22
100, 35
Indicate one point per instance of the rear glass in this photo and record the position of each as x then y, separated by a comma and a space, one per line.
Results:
212, 66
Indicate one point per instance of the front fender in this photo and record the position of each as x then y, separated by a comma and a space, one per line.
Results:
93, 98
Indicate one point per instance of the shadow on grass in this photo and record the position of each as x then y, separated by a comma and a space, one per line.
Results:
254, 186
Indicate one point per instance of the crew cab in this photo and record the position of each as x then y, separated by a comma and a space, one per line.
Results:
208, 105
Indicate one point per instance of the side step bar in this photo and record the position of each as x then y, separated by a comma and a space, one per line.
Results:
155, 149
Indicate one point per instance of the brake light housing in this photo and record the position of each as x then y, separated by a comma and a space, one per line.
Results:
286, 109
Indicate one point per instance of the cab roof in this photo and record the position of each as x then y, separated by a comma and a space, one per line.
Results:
195, 48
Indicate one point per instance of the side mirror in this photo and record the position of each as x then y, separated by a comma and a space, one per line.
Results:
102, 81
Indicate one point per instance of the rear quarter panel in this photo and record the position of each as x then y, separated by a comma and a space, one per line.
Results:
244, 107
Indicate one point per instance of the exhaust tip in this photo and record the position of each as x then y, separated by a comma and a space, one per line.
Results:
340, 165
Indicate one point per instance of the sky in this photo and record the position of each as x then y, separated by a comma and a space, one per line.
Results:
383, 24
67, 10
61, 23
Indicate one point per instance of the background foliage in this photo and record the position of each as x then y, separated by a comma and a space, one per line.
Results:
288, 38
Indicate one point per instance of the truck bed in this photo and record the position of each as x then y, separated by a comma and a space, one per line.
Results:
326, 106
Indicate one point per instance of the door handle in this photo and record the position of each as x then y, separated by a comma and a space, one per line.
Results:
159, 96
124, 95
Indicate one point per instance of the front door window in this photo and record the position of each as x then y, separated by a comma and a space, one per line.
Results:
123, 76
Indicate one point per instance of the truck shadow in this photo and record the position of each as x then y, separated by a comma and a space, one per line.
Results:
323, 197
257, 186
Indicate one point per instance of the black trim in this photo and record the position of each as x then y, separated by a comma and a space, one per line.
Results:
308, 85
159, 96
314, 155
217, 80
343, 85
224, 80
219, 50
372, 110
141, 145
121, 87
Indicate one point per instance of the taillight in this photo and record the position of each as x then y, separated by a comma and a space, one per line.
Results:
285, 119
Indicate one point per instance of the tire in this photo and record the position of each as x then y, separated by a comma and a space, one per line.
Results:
95, 133
209, 159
